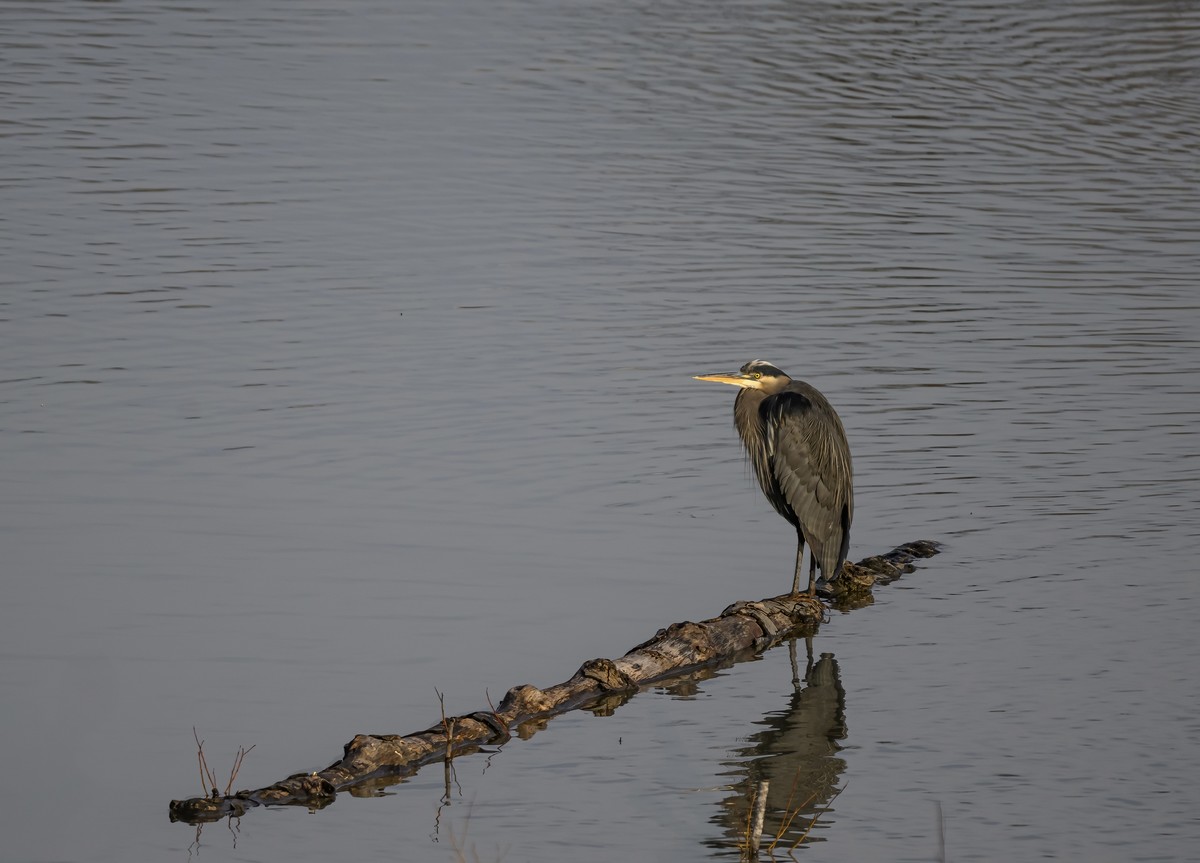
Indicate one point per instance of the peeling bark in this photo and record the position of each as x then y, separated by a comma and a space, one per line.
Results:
743, 629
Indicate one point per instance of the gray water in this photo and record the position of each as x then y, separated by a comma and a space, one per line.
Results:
345, 355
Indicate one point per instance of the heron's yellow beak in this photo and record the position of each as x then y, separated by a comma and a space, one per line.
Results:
736, 379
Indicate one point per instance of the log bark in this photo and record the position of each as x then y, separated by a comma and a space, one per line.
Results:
742, 630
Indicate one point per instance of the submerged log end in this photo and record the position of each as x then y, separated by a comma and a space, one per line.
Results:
899, 561
202, 810
851, 587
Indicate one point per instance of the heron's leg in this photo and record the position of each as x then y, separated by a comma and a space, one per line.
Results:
808, 667
799, 562
812, 575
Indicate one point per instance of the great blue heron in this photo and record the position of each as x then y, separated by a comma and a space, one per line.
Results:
798, 447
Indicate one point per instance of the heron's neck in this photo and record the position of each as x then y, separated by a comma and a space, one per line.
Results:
750, 427
747, 419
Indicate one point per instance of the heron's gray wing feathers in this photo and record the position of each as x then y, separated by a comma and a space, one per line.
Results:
810, 461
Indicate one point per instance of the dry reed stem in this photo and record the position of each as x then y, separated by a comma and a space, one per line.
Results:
210, 778
237, 765
816, 818
206, 775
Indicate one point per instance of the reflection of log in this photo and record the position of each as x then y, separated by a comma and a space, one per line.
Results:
681, 647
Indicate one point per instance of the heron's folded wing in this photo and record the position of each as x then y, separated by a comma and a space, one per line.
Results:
810, 461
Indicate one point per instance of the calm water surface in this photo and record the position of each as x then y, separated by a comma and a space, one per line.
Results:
345, 354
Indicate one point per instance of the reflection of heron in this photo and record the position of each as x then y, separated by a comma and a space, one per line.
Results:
802, 459
797, 750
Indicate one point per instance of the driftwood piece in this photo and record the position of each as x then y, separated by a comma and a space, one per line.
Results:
742, 629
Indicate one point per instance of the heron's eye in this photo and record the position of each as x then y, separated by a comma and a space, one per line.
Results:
758, 376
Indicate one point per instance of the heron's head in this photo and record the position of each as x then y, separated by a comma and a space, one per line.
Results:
756, 374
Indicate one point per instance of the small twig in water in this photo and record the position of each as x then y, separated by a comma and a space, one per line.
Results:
447, 724
492, 707
790, 812
941, 825
816, 818
237, 765
451, 776
208, 779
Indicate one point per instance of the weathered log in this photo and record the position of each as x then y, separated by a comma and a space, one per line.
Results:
742, 630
